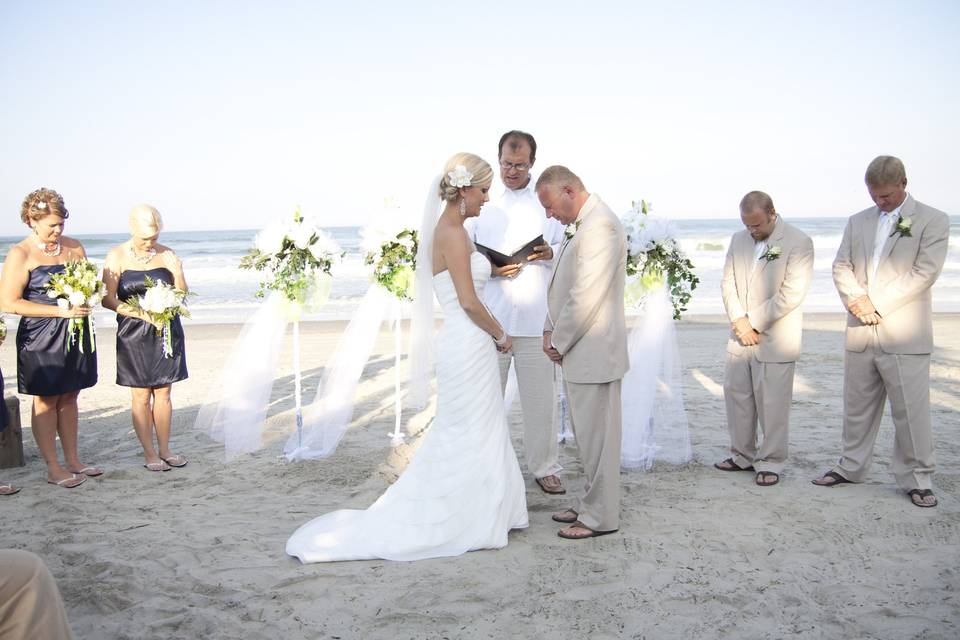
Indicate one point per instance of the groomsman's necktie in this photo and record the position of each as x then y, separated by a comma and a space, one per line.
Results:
884, 226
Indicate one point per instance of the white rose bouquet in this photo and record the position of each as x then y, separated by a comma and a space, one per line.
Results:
393, 254
654, 257
292, 253
78, 285
162, 303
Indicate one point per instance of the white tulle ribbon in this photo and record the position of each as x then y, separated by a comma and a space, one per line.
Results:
654, 420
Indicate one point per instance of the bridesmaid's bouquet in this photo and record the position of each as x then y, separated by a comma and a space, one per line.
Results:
162, 303
78, 285
394, 259
293, 254
655, 256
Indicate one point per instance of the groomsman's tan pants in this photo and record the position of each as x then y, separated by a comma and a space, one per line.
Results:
868, 378
753, 392
535, 384
30, 604
595, 414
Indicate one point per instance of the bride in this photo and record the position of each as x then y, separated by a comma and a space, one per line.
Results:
463, 490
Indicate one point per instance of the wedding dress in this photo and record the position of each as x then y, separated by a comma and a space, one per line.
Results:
463, 489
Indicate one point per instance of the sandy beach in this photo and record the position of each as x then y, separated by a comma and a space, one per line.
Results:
198, 552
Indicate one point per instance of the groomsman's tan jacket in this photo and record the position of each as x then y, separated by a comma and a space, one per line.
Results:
893, 357
769, 292
900, 291
585, 314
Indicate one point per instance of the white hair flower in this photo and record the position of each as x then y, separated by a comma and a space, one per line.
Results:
41, 205
460, 177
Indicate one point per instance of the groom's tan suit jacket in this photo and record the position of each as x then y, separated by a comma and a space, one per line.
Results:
769, 292
900, 290
585, 298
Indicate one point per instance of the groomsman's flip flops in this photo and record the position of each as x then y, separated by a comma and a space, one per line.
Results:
917, 497
730, 465
767, 478
568, 516
580, 531
830, 479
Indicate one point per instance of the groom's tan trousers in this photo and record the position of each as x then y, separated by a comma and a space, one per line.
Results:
758, 392
535, 384
869, 377
595, 414
30, 603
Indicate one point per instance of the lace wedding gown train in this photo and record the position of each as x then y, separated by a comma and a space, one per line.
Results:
463, 490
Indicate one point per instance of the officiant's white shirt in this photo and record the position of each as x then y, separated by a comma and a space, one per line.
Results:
511, 219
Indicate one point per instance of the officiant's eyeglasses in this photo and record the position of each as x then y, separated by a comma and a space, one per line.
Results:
519, 166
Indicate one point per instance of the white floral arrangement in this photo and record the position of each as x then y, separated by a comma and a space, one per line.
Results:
903, 227
392, 251
654, 257
293, 253
78, 285
162, 303
773, 253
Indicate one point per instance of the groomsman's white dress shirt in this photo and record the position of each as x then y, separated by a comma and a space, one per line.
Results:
884, 229
510, 220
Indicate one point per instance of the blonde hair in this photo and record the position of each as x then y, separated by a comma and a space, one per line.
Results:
559, 176
482, 174
40, 204
144, 221
885, 171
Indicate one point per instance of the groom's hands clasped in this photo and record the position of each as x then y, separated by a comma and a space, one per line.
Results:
549, 349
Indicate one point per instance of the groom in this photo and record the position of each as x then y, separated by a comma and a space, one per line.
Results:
585, 332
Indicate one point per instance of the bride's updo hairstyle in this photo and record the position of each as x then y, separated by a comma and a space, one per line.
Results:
482, 174
144, 221
41, 203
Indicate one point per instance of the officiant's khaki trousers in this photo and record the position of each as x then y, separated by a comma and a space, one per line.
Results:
869, 377
535, 385
758, 392
595, 414
30, 604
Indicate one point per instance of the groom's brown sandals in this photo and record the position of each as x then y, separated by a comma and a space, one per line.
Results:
551, 485
830, 479
569, 516
918, 496
579, 531
730, 465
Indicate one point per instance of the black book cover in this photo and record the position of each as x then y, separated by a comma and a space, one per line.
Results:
517, 257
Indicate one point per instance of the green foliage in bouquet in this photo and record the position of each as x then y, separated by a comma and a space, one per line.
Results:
394, 264
292, 255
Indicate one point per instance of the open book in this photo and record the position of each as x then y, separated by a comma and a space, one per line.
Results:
519, 256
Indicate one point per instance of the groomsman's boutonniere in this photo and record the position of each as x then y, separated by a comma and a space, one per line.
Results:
903, 227
772, 254
569, 232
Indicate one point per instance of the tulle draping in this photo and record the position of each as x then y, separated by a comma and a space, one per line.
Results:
654, 421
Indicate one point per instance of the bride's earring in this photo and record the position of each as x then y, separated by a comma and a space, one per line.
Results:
463, 207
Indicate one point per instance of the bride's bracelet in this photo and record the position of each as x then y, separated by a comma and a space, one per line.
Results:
501, 340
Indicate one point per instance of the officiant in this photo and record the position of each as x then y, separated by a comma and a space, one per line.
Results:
516, 295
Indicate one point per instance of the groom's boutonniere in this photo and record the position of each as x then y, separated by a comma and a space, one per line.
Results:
569, 232
772, 253
903, 227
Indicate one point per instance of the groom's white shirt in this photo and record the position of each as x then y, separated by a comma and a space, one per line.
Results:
512, 218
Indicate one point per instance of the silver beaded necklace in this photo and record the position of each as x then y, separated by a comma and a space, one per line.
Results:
151, 253
50, 254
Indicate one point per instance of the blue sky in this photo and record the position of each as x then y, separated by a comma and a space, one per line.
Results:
225, 114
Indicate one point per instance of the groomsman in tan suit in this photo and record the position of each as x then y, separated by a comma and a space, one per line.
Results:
585, 332
888, 260
766, 276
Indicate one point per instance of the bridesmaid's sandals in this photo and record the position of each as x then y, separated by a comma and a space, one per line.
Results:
767, 478
830, 479
730, 465
90, 472
919, 497
8, 489
157, 466
176, 460
75, 480
580, 531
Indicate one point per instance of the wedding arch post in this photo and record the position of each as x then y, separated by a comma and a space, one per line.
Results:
397, 437
298, 403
